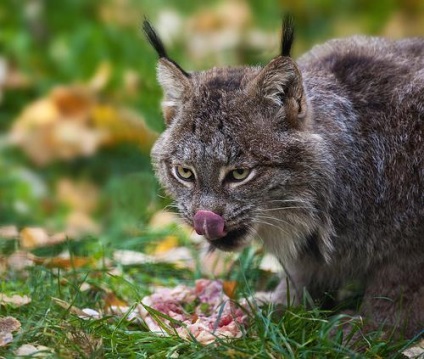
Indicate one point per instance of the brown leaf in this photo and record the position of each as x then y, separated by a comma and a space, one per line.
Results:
64, 263
7, 326
111, 300
229, 288
72, 101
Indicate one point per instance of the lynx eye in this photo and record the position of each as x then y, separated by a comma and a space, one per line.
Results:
184, 173
238, 174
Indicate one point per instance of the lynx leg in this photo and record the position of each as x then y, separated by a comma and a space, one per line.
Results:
394, 299
289, 291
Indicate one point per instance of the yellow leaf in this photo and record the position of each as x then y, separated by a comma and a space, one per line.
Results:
165, 245
123, 126
35, 237
32, 237
101, 77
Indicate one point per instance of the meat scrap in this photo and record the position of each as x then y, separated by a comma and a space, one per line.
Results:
203, 312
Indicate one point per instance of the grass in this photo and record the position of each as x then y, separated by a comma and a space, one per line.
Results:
271, 333
50, 55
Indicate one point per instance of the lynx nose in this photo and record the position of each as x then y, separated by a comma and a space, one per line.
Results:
209, 224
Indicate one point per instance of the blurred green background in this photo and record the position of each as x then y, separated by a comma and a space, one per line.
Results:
79, 102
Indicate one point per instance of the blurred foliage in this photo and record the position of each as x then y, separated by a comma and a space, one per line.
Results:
96, 48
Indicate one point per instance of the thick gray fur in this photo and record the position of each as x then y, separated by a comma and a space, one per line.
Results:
336, 146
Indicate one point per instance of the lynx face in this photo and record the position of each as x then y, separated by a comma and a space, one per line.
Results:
239, 157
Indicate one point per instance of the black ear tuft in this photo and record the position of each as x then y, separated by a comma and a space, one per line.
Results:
154, 39
157, 44
287, 36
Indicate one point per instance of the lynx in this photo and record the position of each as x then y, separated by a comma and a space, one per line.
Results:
320, 159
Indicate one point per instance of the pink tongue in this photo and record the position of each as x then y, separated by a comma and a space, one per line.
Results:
209, 224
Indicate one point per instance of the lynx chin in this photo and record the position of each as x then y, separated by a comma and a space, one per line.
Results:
321, 159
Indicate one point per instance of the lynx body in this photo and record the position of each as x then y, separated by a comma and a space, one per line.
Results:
321, 159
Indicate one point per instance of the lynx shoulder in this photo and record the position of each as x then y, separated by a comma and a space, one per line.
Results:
322, 159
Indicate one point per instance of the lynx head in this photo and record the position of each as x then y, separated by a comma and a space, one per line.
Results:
239, 155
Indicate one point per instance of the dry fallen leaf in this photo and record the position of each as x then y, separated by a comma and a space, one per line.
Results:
270, 263
122, 126
20, 260
128, 257
415, 351
35, 237
57, 126
79, 223
112, 301
32, 237
89, 344
166, 244
9, 232
5, 338
39, 351
72, 309
7, 326
65, 263
80, 196
15, 300
180, 256
229, 287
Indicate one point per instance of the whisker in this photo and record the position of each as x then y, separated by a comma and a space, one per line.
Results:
272, 225
281, 208
276, 219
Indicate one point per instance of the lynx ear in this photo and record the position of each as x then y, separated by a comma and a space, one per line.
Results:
280, 83
175, 84
173, 79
